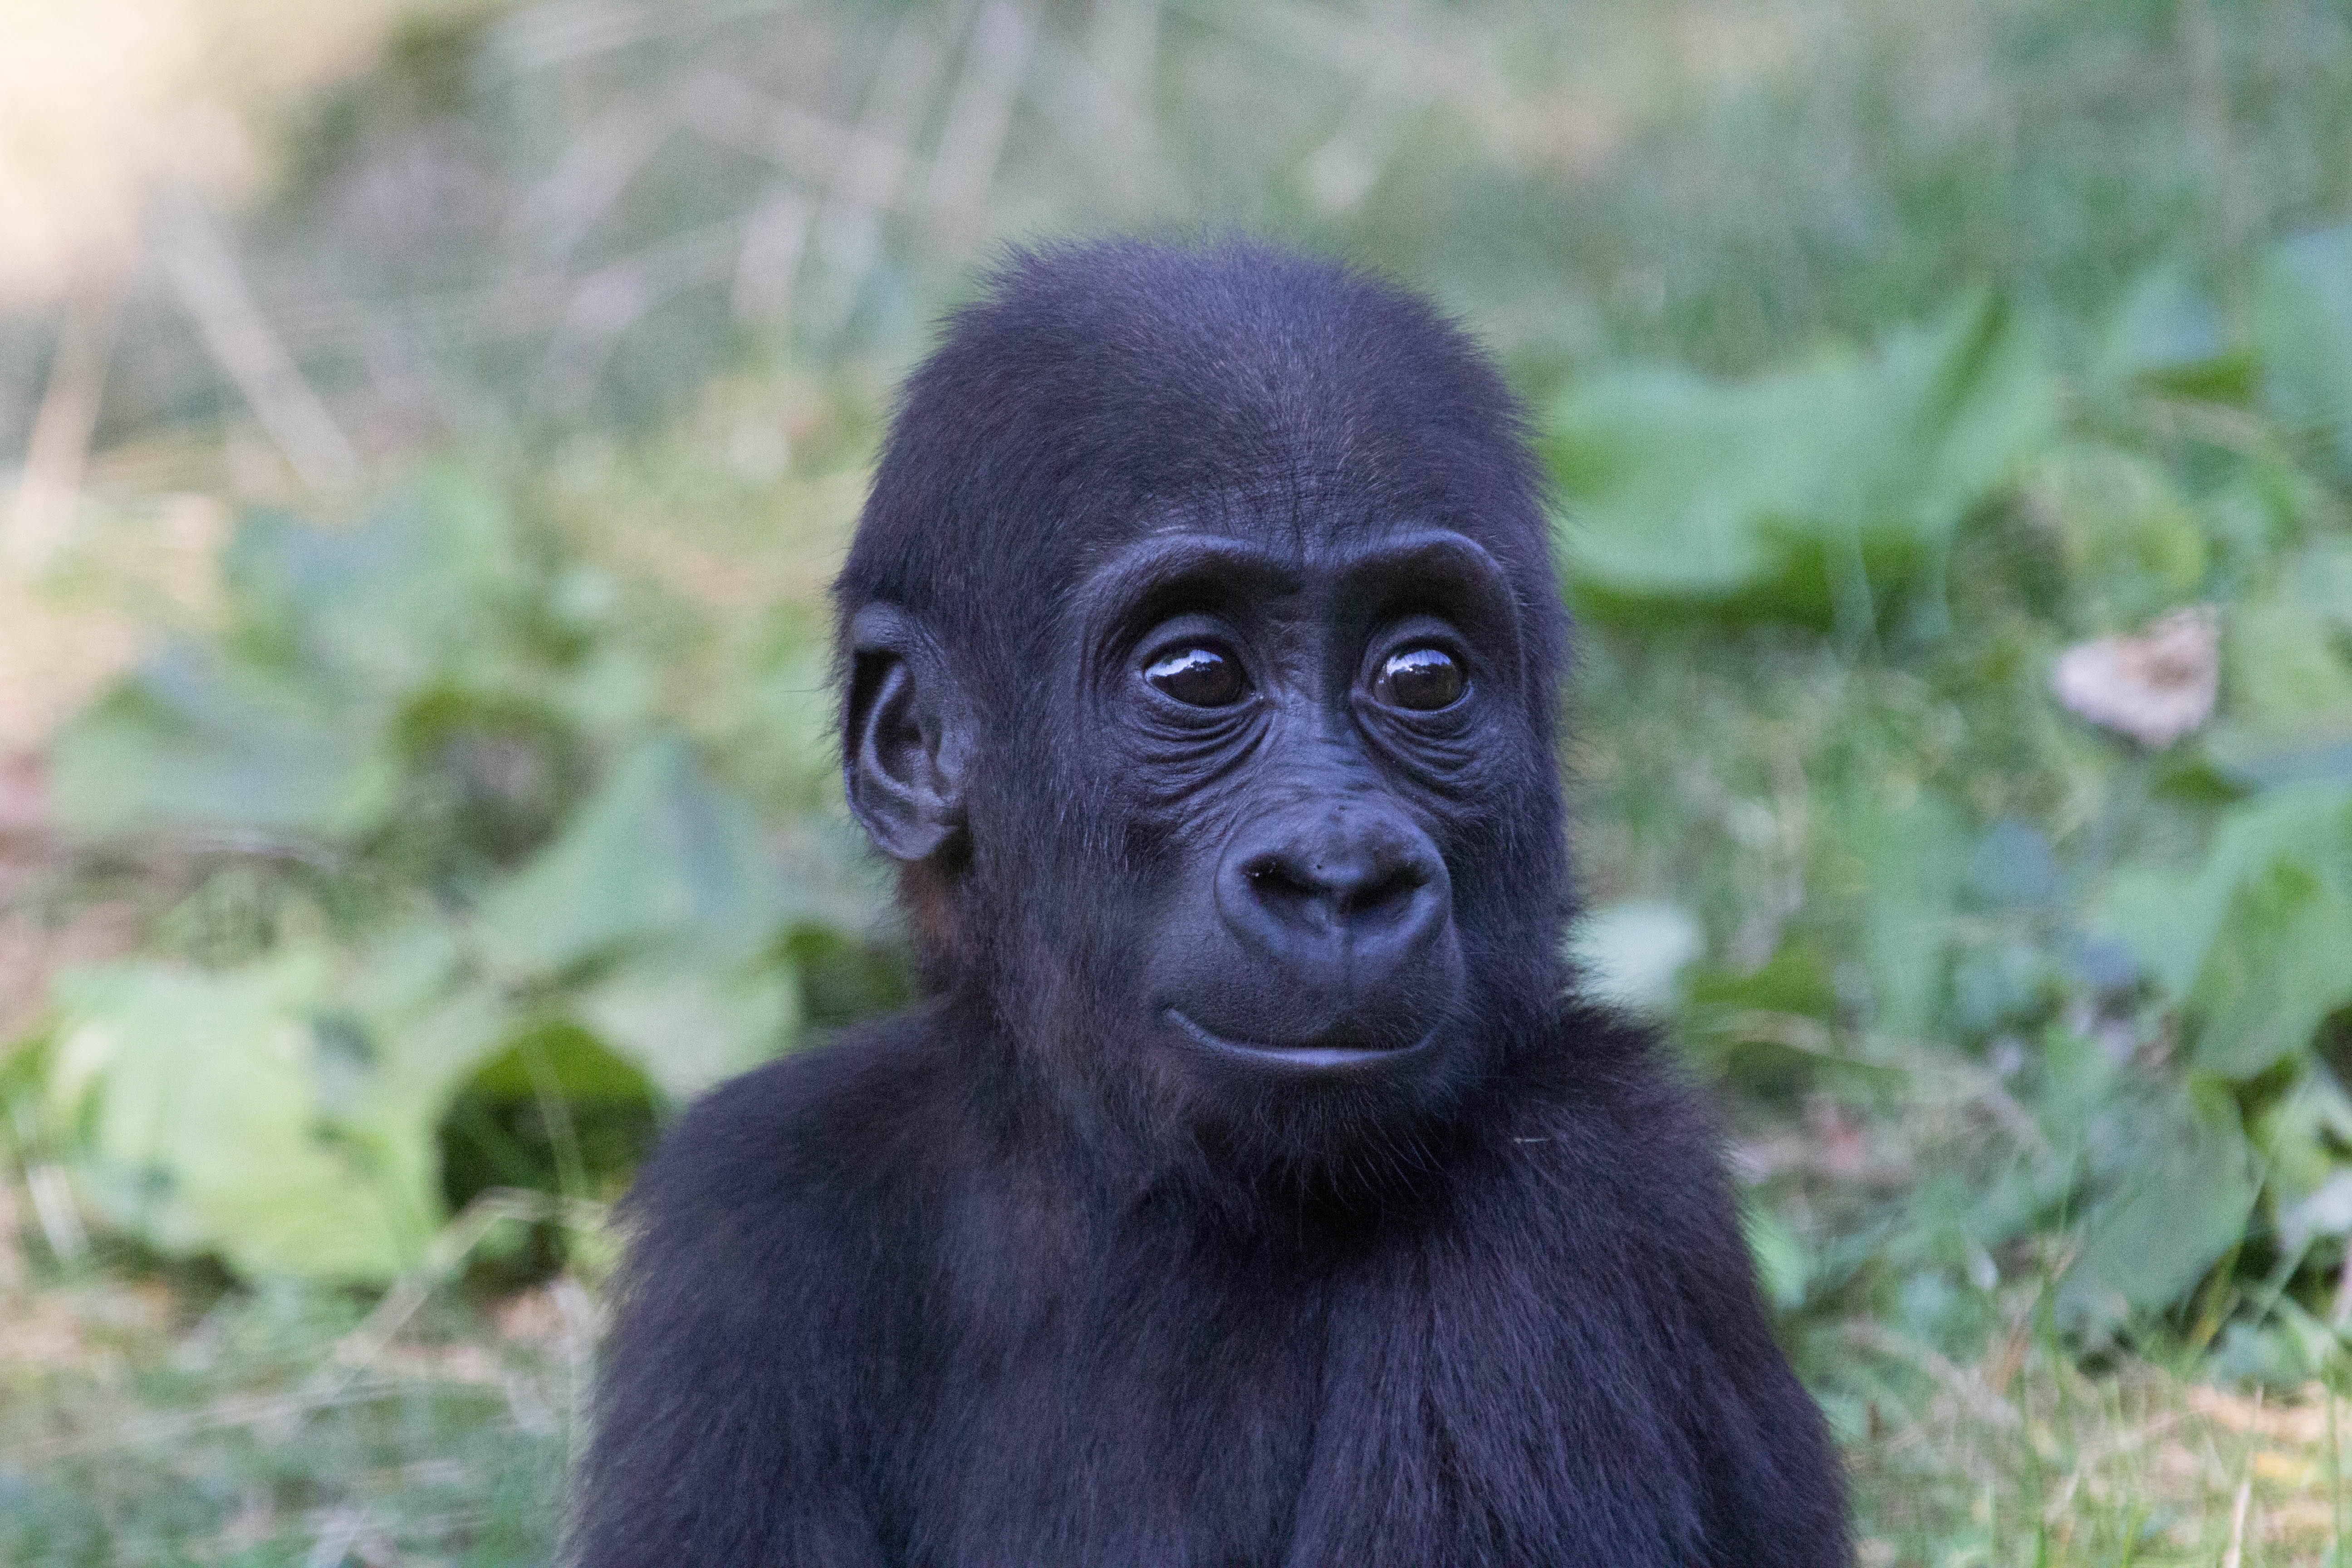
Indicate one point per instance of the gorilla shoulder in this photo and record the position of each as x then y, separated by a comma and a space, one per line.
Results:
837, 1128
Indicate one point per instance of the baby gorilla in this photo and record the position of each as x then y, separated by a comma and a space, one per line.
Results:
1251, 1190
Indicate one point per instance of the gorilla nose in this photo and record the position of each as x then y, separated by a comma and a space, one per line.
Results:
1356, 893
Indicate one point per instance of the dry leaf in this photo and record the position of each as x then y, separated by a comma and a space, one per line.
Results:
2156, 687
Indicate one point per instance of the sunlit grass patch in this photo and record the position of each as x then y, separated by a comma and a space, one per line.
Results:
2026, 1459
155, 1419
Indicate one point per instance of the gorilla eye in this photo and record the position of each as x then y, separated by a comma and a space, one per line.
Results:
1421, 679
1200, 676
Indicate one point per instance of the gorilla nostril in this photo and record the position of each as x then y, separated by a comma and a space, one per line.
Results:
1335, 892
1283, 885
1388, 891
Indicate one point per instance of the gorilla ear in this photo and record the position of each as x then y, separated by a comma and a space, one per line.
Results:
907, 737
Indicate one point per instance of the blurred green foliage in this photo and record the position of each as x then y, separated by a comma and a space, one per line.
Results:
1881, 352
2076, 1007
494, 875
1807, 493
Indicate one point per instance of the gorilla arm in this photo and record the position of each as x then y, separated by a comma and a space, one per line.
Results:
738, 1362
1771, 1495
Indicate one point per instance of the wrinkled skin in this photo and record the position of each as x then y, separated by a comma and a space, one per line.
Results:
1251, 1189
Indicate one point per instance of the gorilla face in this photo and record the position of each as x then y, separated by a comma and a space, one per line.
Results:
1294, 739
1203, 653
1270, 797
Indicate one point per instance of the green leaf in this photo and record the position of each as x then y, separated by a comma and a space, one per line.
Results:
2298, 1136
1670, 478
558, 1057
690, 1025
2168, 336
416, 589
417, 991
1633, 953
2078, 1077
2287, 702
1988, 399
2177, 1201
2305, 324
2165, 322
2280, 965
657, 858
282, 1114
207, 1129
2267, 762
2169, 922
279, 728
1782, 1268
2285, 673
2327, 1210
1804, 491
191, 741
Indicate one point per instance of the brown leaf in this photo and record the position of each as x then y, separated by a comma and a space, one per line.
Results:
2156, 687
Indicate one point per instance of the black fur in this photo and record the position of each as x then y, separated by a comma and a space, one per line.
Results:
1247, 1193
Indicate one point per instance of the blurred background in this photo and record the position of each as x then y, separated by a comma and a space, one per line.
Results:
427, 430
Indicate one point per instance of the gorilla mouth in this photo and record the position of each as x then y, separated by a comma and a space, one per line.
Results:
1304, 1056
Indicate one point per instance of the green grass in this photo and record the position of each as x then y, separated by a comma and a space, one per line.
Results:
151, 1419
140, 1426
1724, 184
163, 1417
2025, 1460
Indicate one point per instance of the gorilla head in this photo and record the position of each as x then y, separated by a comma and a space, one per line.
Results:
1205, 645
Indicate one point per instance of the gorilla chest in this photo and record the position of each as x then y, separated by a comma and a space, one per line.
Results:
1259, 1422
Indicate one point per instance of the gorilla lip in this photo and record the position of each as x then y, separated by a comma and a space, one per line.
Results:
1295, 1056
